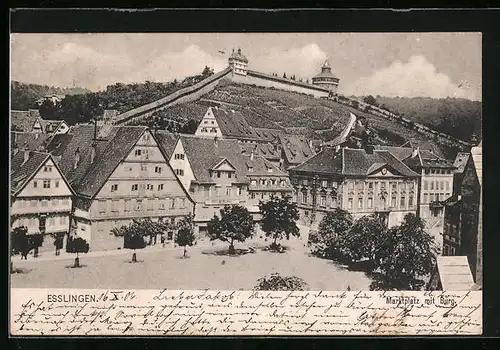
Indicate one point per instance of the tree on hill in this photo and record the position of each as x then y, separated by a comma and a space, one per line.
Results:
284, 75
185, 234
77, 245
235, 224
370, 100
408, 253
279, 217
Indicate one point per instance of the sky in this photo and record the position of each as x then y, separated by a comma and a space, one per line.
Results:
387, 64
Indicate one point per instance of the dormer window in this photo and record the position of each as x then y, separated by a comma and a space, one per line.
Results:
250, 169
138, 152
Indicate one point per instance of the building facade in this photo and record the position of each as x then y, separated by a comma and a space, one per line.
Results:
41, 198
119, 177
359, 181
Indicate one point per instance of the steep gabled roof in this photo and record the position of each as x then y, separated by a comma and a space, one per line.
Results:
203, 154
353, 162
233, 124
167, 141
23, 120
296, 148
29, 140
261, 166
477, 158
89, 177
21, 172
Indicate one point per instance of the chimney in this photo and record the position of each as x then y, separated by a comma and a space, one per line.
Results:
26, 154
92, 152
77, 158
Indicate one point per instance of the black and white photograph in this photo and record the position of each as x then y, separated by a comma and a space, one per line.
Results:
246, 161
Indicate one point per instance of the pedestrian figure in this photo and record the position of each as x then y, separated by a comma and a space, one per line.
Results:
348, 288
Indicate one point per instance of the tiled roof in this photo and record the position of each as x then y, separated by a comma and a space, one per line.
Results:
265, 150
88, 178
29, 140
166, 141
268, 134
21, 172
354, 162
454, 273
233, 124
237, 55
425, 158
400, 153
461, 161
203, 153
326, 72
260, 166
296, 148
23, 120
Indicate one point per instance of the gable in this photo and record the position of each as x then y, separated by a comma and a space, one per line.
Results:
384, 171
224, 165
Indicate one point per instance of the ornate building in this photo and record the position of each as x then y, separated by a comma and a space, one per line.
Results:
357, 180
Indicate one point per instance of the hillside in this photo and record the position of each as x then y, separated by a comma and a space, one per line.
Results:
24, 96
453, 116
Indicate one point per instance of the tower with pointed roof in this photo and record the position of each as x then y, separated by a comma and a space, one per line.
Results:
326, 78
238, 62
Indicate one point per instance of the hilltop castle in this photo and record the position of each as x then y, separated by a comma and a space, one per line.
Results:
324, 84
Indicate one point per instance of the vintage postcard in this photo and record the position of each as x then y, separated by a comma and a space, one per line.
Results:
166, 184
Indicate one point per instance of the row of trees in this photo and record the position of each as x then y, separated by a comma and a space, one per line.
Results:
292, 77
399, 256
235, 223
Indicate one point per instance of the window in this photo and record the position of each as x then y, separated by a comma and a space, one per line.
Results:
240, 191
446, 250
323, 201
228, 191
55, 202
427, 171
160, 187
146, 153
46, 183
212, 122
324, 183
144, 167
349, 203
370, 185
33, 203
432, 185
282, 183
250, 169
179, 156
304, 198
205, 122
129, 168
207, 191
102, 207
252, 195
425, 185
35, 184
114, 206
146, 137
161, 205
441, 185
47, 168
135, 187
149, 187
158, 169
370, 203
426, 198
304, 182
56, 183
306, 213
218, 173
333, 202
173, 203
138, 152
229, 174
452, 251
150, 205
447, 185
179, 172
63, 220
393, 201
114, 188
217, 191
52, 221
402, 202
138, 205
350, 185
262, 195
360, 203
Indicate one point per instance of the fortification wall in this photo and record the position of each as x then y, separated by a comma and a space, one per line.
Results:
188, 94
268, 83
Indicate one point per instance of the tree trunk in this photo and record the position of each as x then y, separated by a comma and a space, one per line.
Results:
134, 257
184, 252
35, 253
231, 247
77, 262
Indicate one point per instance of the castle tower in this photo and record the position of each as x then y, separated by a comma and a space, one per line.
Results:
238, 62
326, 78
